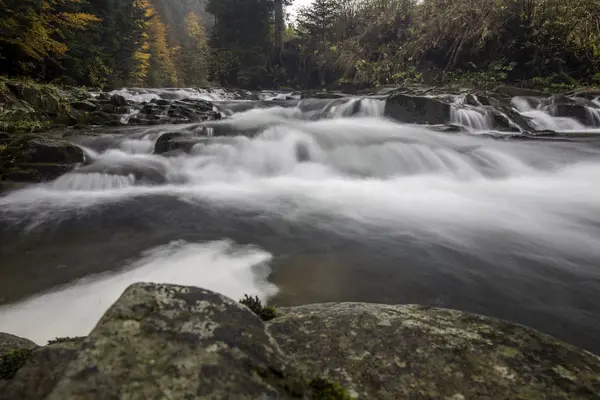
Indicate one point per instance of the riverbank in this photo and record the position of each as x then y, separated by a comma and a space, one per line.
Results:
191, 342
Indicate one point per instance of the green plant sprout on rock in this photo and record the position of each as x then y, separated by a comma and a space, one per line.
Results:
255, 305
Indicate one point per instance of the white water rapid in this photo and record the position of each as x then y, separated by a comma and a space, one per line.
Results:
401, 213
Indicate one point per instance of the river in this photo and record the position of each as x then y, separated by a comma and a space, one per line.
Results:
317, 204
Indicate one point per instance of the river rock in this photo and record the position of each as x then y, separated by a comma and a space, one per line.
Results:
513, 91
414, 352
34, 158
83, 105
170, 141
417, 109
40, 373
118, 100
167, 341
312, 94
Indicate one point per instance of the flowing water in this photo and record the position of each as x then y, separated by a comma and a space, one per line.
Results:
326, 200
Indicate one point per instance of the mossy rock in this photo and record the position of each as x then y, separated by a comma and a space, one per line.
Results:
12, 361
414, 352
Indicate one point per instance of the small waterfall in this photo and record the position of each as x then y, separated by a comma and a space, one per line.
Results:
92, 181
125, 118
371, 108
593, 114
365, 107
541, 119
470, 117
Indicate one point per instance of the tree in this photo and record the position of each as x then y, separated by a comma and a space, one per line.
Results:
33, 31
240, 41
317, 20
194, 52
161, 71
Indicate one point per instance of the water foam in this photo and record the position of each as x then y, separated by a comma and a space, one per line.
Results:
542, 119
75, 309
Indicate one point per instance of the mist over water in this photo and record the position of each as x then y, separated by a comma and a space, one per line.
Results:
325, 200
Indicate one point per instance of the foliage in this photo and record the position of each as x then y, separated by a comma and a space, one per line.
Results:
316, 22
240, 41
373, 42
126, 42
551, 43
12, 361
65, 340
35, 28
255, 305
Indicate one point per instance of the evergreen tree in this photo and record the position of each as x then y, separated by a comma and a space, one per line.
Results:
240, 41
317, 20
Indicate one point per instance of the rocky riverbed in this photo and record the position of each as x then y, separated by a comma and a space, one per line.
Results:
484, 202
189, 343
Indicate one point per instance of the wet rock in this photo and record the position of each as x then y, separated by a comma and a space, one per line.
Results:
178, 342
160, 102
417, 109
589, 94
448, 128
118, 100
83, 106
414, 352
311, 94
170, 141
40, 373
33, 158
39, 149
513, 91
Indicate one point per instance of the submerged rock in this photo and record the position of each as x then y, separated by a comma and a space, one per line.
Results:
414, 352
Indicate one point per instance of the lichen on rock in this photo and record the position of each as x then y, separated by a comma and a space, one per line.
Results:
178, 342
394, 352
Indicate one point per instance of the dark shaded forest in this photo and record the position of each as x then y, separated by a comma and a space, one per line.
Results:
331, 43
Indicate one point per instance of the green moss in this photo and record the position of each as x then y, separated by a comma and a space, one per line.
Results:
255, 305
25, 126
12, 361
322, 389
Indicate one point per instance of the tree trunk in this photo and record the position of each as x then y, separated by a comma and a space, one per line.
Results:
279, 27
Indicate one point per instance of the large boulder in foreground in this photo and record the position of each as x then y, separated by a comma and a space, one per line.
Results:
165, 341
417, 109
413, 352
